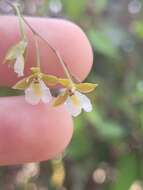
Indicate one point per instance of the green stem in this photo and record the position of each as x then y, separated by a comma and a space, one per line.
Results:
37, 51
21, 23
64, 66
35, 33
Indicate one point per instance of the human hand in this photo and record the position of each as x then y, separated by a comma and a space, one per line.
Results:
35, 133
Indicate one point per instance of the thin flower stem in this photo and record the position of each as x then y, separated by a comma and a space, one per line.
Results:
56, 52
64, 66
21, 23
37, 51
66, 70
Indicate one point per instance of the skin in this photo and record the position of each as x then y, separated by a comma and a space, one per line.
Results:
36, 133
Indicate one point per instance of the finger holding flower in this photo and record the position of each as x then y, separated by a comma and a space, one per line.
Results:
37, 85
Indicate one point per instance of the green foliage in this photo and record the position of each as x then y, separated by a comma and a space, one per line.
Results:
102, 43
73, 8
104, 127
80, 146
127, 172
138, 28
100, 5
7, 91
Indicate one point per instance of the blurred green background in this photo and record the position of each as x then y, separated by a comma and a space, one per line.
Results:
106, 152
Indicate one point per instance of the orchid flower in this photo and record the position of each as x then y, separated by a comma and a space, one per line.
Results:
16, 54
35, 86
73, 98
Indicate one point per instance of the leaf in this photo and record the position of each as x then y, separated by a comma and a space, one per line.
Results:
50, 79
6, 91
81, 145
86, 87
60, 99
138, 28
15, 51
106, 128
73, 8
100, 5
22, 84
64, 82
127, 172
102, 43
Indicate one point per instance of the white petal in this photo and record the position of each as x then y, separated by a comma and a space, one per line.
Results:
84, 101
74, 110
30, 97
46, 94
19, 66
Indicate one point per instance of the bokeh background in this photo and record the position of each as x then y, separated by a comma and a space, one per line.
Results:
106, 152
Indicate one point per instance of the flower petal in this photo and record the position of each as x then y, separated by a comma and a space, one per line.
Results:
46, 94
37, 90
86, 87
75, 100
30, 97
19, 66
64, 82
50, 79
60, 99
73, 110
21, 85
85, 101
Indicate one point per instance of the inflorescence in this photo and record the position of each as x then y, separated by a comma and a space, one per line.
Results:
37, 85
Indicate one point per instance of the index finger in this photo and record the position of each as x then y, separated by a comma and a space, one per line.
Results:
35, 133
64, 36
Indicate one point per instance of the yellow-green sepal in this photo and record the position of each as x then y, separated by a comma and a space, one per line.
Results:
50, 79
24, 83
60, 99
64, 82
86, 87
16, 50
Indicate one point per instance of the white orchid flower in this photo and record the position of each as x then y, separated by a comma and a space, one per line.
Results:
72, 97
16, 53
36, 92
75, 103
35, 86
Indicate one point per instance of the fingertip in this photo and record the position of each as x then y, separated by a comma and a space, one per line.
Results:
32, 133
64, 36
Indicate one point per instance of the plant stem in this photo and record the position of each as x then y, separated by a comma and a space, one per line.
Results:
37, 51
21, 23
56, 52
64, 66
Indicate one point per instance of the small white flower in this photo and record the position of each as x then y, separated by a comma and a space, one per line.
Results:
16, 54
37, 92
35, 86
71, 96
19, 66
75, 103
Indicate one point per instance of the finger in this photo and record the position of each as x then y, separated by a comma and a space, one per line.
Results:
80, 64
65, 36
31, 133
